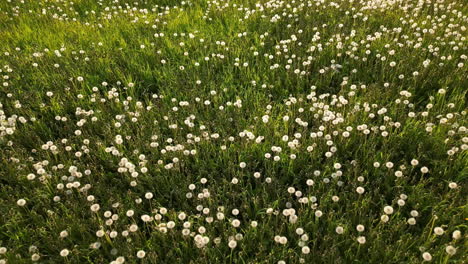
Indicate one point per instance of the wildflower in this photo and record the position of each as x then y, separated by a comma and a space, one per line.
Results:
439, 231
64, 252
339, 230
411, 221
360, 228
361, 239
388, 210
141, 254
456, 234
235, 223
360, 190
35, 257
21, 202
95, 207
149, 195
232, 244
63, 234
451, 250
427, 256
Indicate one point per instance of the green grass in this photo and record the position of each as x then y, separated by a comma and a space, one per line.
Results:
197, 88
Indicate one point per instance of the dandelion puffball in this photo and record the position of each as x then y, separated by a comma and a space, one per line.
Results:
21, 202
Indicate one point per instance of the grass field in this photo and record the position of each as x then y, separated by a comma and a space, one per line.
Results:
233, 131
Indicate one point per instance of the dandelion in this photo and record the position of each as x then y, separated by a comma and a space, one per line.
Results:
450, 250
64, 252
414, 213
95, 207
315, 144
384, 218
318, 213
63, 234
21, 202
235, 223
339, 230
283, 240
427, 256
401, 202
361, 239
360, 228
360, 190
299, 231
149, 195
456, 234
133, 228
232, 244
141, 254
388, 210
35, 257
439, 231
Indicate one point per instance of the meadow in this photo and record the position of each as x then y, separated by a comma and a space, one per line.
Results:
233, 131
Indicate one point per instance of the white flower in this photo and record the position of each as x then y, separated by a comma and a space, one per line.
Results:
63, 234
360, 228
318, 213
133, 228
361, 239
148, 195
141, 254
439, 231
64, 252
360, 190
339, 230
95, 207
35, 257
388, 210
21, 202
450, 250
283, 240
427, 256
232, 244
424, 170
235, 223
